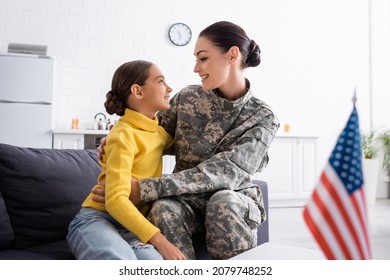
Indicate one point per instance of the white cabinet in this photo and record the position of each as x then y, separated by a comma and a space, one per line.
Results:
291, 173
68, 141
77, 139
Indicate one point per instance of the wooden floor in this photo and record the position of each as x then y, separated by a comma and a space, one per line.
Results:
287, 227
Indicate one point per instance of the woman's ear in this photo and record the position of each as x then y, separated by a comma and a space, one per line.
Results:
233, 54
136, 91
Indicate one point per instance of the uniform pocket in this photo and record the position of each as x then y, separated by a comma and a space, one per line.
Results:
253, 216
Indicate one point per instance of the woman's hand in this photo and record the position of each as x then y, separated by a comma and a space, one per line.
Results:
100, 192
135, 195
100, 150
167, 250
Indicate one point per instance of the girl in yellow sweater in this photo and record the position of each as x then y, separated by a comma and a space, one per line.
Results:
117, 229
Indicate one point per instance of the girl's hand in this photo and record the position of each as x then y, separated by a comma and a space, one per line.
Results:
167, 250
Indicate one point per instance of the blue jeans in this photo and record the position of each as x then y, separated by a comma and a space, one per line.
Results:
95, 235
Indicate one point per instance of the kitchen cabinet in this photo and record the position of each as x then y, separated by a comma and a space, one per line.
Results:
291, 173
77, 138
68, 141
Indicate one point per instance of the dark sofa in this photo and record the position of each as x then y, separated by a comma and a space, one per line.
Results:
41, 190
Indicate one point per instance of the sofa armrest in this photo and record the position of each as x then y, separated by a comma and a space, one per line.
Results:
263, 229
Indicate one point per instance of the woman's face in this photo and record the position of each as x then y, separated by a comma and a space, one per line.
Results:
155, 91
212, 64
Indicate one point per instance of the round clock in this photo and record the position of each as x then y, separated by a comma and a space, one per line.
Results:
179, 34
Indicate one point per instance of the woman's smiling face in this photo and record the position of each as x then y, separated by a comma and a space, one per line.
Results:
212, 64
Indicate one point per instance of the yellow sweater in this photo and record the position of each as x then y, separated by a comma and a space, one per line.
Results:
134, 148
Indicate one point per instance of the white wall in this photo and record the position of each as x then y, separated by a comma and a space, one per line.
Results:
314, 53
380, 62
380, 75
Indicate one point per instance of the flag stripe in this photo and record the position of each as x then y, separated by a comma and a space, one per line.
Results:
329, 240
352, 214
345, 220
362, 209
358, 201
317, 234
330, 219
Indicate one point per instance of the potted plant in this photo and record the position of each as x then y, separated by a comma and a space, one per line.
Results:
384, 139
371, 168
369, 148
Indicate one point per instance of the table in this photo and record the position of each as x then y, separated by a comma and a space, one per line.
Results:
271, 251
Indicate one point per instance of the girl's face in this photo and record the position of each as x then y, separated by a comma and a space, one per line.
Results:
155, 91
212, 64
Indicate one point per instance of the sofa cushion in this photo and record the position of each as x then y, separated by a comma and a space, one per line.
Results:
6, 231
14, 254
43, 189
57, 250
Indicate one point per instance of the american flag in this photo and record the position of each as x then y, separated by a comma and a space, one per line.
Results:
336, 212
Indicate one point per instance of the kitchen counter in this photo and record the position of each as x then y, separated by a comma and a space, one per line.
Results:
77, 138
79, 131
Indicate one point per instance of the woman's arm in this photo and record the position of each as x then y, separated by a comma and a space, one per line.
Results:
226, 169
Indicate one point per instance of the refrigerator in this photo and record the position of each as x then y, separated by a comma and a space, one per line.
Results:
26, 96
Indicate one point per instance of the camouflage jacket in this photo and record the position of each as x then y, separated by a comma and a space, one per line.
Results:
218, 144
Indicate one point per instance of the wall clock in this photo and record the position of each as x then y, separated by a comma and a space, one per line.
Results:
180, 34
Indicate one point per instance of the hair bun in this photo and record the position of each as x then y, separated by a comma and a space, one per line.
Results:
253, 59
113, 104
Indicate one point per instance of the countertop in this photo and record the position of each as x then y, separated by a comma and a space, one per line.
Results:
80, 131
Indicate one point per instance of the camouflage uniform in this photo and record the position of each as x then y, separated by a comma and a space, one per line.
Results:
218, 145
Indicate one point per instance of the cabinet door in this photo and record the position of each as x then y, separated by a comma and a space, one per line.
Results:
68, 141
291, 172
280, 173
307, 166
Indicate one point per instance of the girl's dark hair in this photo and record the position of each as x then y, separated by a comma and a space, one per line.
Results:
129, 73
225, 34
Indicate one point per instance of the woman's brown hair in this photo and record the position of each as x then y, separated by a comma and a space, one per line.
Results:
225, 34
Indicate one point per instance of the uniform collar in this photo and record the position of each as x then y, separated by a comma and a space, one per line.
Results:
140, 121
232, 104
